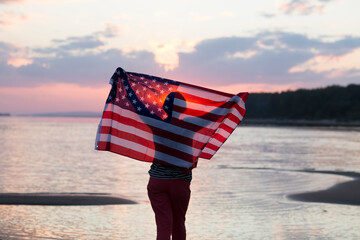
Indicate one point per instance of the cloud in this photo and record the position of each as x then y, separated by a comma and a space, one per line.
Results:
79, 43
10, 1
5, 50
265, 59
166, 54
304, 7
267, 14
87, 69
8, 18
111, 31
12, 57
71, 45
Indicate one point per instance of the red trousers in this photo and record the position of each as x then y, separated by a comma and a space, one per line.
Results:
169, 199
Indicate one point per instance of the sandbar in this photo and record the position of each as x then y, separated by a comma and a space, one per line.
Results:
62, 199
342, 193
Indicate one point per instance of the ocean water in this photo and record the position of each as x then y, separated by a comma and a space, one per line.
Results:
240, 194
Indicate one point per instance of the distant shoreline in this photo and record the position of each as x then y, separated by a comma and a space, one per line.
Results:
63, 114
246, 121
300, 122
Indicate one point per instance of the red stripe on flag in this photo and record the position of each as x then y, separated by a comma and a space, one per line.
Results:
205, 101
243, 96
205, 155
192, 127
234, 118
219, 137
108, 146
240, 109
212, 146
150, 144
226, 128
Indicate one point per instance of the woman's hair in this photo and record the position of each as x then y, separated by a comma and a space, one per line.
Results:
172, 97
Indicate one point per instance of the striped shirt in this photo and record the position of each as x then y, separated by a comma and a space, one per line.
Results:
158, 170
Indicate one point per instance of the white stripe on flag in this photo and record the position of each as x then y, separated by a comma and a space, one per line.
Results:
150, 136
230, 123
204, 94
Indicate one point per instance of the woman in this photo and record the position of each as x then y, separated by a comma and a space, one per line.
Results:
169, 194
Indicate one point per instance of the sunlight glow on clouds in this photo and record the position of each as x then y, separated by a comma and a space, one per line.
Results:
270, 43
167, 54
334, 66
245, 55
18, 62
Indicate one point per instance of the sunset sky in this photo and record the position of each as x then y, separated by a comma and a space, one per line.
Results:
58, 56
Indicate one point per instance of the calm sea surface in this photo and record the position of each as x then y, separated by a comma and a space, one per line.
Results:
239, 194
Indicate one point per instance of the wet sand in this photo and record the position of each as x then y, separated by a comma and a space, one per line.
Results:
342, 193
60, 199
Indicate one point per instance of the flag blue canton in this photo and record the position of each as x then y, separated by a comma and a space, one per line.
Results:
146, 95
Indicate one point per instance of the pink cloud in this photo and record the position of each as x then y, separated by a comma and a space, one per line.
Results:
333, 66
9, 17
303, 7
18, 62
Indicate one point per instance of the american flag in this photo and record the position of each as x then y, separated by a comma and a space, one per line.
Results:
154, 119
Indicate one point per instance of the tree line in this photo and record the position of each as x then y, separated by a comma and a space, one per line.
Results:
330, 103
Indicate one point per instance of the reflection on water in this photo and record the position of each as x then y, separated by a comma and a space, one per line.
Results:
231, 199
